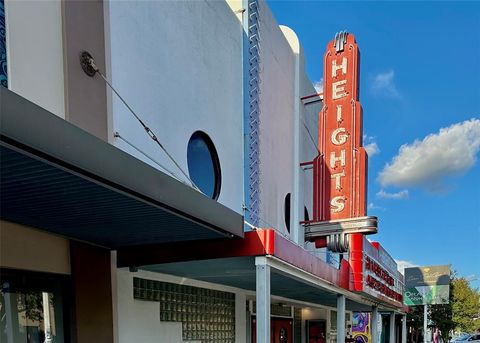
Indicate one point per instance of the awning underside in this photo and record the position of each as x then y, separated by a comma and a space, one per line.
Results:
239, 272
41, 195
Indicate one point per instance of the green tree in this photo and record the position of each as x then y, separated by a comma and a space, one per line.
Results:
415, 321
465, 305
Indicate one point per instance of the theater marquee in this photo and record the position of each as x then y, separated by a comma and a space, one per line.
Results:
374, 271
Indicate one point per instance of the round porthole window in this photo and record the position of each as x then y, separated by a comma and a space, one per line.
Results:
306, 216
203, 164
287, 211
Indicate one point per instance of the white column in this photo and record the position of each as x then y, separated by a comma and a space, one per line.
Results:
240, 318
404, 328
375, 328
392, 327
340, 318
263, 300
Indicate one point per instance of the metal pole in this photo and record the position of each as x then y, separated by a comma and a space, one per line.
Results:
263, 301
340, 318
404, 328
425, 320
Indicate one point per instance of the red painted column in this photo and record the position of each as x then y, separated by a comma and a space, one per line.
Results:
356, 261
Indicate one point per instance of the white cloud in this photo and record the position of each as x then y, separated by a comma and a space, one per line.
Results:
399, 195
384, 84
370, 145
372, 149
372, 206
426, 163
319, 86
401, 265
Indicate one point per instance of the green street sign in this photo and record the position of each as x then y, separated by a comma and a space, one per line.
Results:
431, 295
427, 285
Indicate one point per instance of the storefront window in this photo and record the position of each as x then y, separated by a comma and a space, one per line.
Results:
29, 311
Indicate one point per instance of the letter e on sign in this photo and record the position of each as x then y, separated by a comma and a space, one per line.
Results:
338, 90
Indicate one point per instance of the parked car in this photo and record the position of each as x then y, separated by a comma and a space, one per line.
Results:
466, 337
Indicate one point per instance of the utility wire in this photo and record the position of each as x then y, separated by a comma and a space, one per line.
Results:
310, 135
117, 135
149, 132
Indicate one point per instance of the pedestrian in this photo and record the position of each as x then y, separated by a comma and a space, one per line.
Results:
436, 336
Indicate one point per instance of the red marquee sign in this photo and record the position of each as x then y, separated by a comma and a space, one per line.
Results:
340, 171
374, 271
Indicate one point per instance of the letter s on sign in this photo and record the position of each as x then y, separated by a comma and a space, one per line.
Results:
337, 204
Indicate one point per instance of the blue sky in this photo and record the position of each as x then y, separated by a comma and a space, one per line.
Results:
420, 88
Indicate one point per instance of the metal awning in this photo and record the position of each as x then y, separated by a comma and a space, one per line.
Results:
296, 273
239, 272
59, 178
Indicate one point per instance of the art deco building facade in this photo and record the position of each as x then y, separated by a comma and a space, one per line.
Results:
161, 198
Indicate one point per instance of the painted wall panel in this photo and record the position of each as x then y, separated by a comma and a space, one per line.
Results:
179, 65
35, 52
22, 247
85, 96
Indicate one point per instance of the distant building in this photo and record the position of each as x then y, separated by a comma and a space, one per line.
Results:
104, 237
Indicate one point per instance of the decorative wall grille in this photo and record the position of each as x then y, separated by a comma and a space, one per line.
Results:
253, 112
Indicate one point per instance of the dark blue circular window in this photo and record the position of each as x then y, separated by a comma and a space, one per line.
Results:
203, 164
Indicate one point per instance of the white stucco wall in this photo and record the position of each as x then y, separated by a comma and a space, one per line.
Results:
284, 140
139, 321
35, 64
277, 87
305, 138
179, 65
